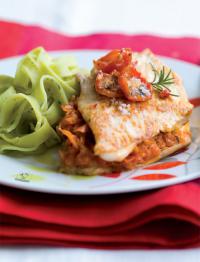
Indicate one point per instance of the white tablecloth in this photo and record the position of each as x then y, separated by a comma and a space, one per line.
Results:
169, 18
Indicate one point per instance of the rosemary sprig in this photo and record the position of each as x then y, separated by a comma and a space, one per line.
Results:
162, 80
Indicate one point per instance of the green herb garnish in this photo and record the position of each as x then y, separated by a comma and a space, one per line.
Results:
162, 80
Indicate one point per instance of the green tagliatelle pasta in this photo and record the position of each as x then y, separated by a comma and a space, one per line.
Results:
30, 102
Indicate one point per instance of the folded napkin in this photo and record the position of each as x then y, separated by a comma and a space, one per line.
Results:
167, 218
163, 218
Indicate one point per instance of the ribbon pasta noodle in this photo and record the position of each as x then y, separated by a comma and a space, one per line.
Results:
30, 102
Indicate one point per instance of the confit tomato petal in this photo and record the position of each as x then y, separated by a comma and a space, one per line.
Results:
107, 85
164, 93
134, 86
114, 60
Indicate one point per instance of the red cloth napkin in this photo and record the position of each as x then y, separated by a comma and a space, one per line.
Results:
18, 39
163, 218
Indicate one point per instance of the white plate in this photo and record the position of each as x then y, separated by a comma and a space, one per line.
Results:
39, 173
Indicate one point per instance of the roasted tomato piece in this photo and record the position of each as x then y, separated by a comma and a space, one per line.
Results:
107, 84
164, 93
134, 87
114, 60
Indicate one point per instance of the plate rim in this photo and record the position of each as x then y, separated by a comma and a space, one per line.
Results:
108, 190
98, 50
